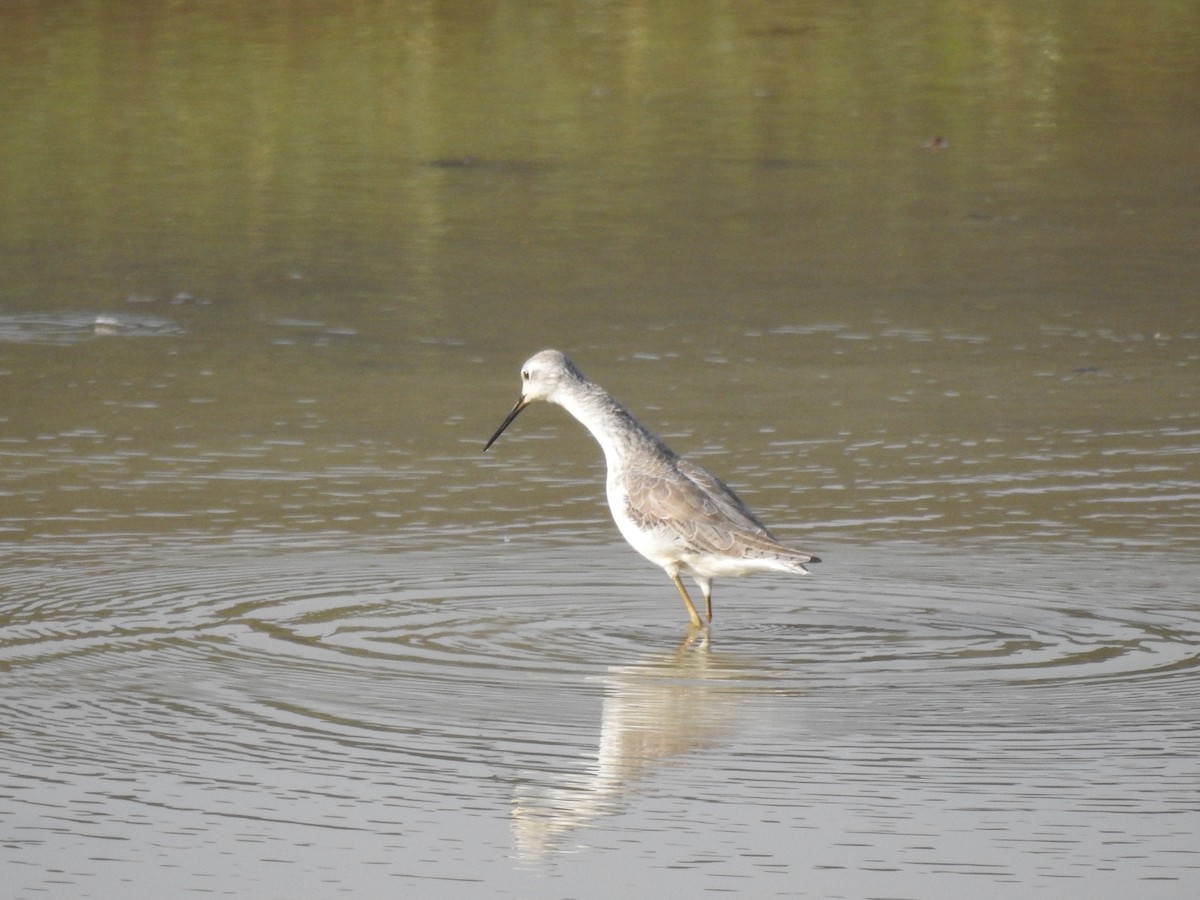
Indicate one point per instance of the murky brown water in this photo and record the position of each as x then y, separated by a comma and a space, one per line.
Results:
270, 622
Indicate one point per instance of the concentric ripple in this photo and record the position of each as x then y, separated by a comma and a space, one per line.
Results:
542, 694
345, 634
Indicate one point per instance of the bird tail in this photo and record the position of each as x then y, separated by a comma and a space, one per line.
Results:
798, 562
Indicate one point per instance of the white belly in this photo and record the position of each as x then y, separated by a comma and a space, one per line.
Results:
659, 545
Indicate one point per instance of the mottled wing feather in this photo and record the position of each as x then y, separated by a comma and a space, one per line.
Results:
701, 509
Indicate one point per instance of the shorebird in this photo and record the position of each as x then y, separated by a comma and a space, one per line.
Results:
675, 513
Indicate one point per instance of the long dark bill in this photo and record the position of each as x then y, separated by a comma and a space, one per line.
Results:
521, 404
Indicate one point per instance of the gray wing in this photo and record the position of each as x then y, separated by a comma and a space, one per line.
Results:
706, 514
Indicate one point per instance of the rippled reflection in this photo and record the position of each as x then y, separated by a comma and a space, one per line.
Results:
990, 711
654, 711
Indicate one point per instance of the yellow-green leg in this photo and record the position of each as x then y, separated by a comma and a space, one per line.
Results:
687, 601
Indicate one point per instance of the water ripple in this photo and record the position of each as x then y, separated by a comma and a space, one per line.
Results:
554, 686
330, 617
71, 327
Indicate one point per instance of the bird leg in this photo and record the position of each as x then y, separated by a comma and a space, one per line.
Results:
708, 604
687, 601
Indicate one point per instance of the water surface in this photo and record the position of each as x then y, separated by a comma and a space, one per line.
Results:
310, 720
919, 282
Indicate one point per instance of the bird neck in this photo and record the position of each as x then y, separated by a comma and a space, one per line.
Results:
611, 424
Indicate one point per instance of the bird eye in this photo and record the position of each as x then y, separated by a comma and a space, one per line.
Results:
525, 374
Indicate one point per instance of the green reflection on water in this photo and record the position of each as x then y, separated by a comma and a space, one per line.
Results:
360, 217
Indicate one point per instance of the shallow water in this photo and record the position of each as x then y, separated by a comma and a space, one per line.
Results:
920, 283
307, 721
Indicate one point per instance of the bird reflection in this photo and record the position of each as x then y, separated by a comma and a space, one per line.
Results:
654, 711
